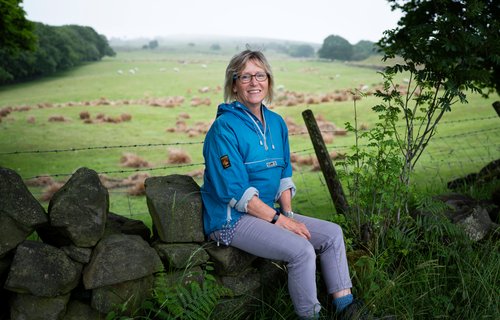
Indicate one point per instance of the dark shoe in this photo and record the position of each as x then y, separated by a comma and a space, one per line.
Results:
355, 311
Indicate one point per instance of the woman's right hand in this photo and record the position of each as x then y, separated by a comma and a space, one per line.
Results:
295, 226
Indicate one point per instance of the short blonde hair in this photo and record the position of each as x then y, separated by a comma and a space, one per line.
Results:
237, 64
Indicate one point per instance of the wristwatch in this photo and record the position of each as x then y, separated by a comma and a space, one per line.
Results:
289, 214
276, 216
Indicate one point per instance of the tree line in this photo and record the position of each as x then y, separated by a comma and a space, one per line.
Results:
333, 48
52, 49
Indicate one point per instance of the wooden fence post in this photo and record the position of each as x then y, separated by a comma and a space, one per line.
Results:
329, 172
496, 106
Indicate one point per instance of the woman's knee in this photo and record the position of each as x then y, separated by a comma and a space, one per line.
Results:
334, 229
303, 250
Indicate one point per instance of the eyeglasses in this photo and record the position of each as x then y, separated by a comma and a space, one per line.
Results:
247, 77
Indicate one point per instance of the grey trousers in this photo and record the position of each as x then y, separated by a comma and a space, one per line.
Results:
270, 241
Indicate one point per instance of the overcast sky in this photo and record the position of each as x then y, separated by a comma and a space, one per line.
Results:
310, 21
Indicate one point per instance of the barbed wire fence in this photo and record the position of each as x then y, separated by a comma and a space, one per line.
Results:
447, 157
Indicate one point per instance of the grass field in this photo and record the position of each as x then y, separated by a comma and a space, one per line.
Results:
418, 270
131, 77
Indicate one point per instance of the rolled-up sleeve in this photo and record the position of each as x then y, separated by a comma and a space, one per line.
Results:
285, 184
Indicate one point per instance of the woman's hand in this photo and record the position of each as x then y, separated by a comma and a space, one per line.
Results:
295, 226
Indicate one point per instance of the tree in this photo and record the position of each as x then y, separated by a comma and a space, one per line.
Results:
215, 47
362, 50
457, 41
335, 47
448, 48
57, 48
153, 44
16, 33
302, 50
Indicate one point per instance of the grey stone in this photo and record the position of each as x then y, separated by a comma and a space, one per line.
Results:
129, 294
27, 306
11, 234
120, 224
175, 207
78, 254
181, 255
20, 212
118, 258
478, 224
470, 214
273, 274
77, 310
42, 270
79, 209
245, 282
229, 260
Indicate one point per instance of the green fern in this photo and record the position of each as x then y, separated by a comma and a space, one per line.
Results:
191, 302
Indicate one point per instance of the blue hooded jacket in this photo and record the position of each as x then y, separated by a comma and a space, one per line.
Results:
243, 158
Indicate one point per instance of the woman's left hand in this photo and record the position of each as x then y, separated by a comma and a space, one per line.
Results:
295, 226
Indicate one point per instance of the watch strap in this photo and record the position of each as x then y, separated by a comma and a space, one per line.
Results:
276, 216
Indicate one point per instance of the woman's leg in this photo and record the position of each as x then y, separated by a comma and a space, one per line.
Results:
270, 241
328, 241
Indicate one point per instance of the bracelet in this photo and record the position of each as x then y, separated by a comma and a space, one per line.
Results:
276, 217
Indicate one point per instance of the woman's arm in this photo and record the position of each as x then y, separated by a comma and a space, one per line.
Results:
259, 209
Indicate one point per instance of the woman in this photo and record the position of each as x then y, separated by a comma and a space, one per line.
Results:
248, 170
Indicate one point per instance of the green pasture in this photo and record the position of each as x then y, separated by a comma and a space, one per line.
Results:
161, 75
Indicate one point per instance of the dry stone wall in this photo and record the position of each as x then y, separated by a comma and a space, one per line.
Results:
86, 261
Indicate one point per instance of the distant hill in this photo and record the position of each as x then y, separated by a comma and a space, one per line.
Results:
212, 44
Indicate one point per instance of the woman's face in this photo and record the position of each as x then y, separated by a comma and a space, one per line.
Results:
251, 94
